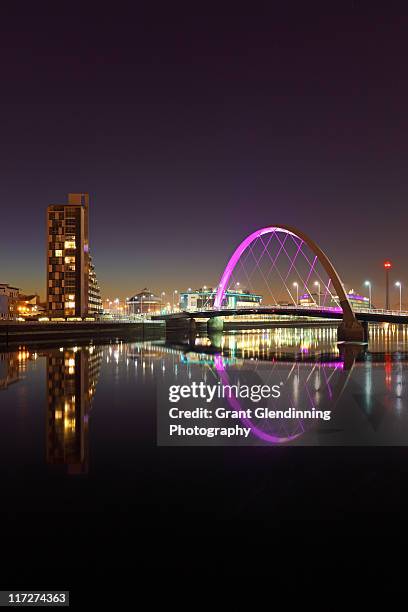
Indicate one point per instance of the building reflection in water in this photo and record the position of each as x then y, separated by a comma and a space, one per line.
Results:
13, 366
72, 376
316, 369
274, 343
313, 365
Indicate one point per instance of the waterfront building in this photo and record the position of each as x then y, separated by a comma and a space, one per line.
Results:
358, 302
94, 291
200, 299
8, 302
144, 302
72, 288
29, 306
312, 299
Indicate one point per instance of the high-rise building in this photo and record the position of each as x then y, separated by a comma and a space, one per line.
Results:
94, 292
72, 288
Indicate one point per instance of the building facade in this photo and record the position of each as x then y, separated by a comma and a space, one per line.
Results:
95, 307
358, 302
144, 302
203, 298
72, 288
29, 306
8, 302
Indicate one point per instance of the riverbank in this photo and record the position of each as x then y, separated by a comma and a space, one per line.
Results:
12, 333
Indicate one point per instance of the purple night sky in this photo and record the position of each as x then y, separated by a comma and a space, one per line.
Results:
192, 127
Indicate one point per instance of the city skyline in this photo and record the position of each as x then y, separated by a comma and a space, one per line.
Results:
188, 143
168, 296
203, 294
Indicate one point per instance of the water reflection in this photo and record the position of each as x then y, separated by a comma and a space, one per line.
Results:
275, 343
72, 376
13, 367
315, 369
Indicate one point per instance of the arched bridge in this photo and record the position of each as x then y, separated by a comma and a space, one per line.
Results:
289, 244
181, 320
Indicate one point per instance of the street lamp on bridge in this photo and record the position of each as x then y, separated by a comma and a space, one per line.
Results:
297, 293
174, 293
317, 284
368, 284
399, 285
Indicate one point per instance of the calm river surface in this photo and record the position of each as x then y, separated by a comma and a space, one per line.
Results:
78, 448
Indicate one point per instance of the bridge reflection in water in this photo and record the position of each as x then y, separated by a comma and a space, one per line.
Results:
310, 361
358, 385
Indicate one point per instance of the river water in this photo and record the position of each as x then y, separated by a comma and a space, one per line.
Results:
78, 445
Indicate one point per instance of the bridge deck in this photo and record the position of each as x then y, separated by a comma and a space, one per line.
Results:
370, 316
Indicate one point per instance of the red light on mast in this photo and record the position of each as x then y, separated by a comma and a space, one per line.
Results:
387, 265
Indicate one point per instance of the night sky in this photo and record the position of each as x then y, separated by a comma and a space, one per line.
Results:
191, 126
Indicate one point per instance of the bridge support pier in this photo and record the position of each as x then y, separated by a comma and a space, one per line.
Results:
350, 352
180, 327
216, 340
215, 324
352, 331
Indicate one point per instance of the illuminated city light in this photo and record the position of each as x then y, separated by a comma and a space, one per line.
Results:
298, 239
398, 284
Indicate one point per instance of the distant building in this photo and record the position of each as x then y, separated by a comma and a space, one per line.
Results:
200, 299
8, 302
72, 288
311, 299
29, 306
358, 302
144, 302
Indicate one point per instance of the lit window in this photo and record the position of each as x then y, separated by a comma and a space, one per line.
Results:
70, 244
69, 260
58, 253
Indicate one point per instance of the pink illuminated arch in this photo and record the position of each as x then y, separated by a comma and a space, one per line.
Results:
348, 314
235, 405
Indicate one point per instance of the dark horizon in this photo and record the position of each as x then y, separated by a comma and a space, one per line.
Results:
190, 129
